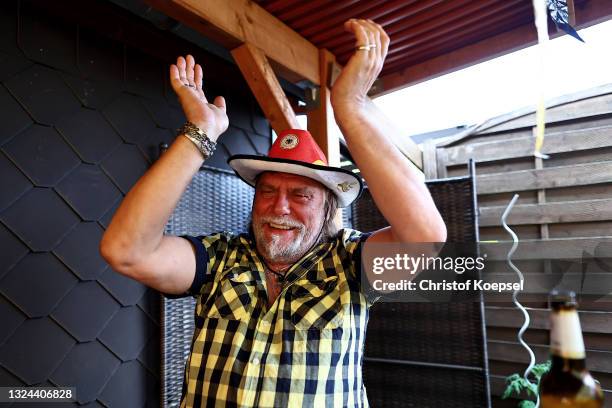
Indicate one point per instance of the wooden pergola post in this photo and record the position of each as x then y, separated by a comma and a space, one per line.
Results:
265, 86
321, 123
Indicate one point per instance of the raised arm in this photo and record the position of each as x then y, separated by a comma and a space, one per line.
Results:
395, 185
134, 243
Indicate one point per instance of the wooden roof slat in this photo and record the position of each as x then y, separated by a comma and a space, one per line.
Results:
454, 22
340, 43
414, 24
331, 21
412, 18
441, 46
298, 11
434, 44
277, 6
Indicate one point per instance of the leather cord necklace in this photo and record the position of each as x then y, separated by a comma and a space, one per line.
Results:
280, 276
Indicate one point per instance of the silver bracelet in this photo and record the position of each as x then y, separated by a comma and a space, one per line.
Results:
199, 138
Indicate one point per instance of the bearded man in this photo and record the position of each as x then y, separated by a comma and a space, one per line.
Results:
281, 314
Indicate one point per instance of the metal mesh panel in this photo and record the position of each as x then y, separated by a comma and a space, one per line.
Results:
214, 201
428, 333
405, 386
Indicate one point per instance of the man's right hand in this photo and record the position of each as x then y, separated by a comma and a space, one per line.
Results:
186, 80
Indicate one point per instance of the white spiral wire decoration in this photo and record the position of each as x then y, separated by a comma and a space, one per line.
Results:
515, 293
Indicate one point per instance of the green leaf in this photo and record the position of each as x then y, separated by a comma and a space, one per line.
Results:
540, 369
526, 404
532, 389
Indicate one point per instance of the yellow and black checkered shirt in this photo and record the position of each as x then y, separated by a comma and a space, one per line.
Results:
305, 350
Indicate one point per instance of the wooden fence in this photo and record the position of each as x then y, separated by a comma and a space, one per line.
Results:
565, 207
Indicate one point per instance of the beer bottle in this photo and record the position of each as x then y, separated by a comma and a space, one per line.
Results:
568, 384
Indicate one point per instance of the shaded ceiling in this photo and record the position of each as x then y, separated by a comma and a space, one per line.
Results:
425, 33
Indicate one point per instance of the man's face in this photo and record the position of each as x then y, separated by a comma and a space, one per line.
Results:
288, 213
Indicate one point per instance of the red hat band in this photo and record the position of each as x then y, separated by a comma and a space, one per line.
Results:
298, 145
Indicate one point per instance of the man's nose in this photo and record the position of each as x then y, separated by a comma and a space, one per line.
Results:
281, 204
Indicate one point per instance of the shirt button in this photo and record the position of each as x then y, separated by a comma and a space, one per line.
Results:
255, 360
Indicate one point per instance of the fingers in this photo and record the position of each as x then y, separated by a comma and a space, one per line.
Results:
198, 81
175, 79
367, 32
219, 102
189, 70
384, 39
182, 65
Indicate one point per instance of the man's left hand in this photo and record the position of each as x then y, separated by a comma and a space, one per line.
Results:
371, 45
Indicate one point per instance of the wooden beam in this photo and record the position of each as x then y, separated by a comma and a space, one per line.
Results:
321, 123
265, 86
589, 13
233, 22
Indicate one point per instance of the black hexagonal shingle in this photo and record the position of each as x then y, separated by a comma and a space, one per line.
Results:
46, 39
11, 65
237, 141
45, 96
40, 219
79, 250
35, 349
10, 317
144, 74
12, 182
219, 158
126, 290
42, 154
88, 191
87, 367
127, 333
262, 144
150, 303
129, 118
90, 135
150, 146
37, 283
127, 387
99, 58
239, 113
260, 123
7, 379
12, 250
8, 28
105, 220
149, 357
91, 93
85, 323
13, 119
163, 114
125, 165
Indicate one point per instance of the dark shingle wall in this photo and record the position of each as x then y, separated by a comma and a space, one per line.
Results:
84, 105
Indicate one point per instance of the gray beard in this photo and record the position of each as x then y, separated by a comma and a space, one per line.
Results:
274, 251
